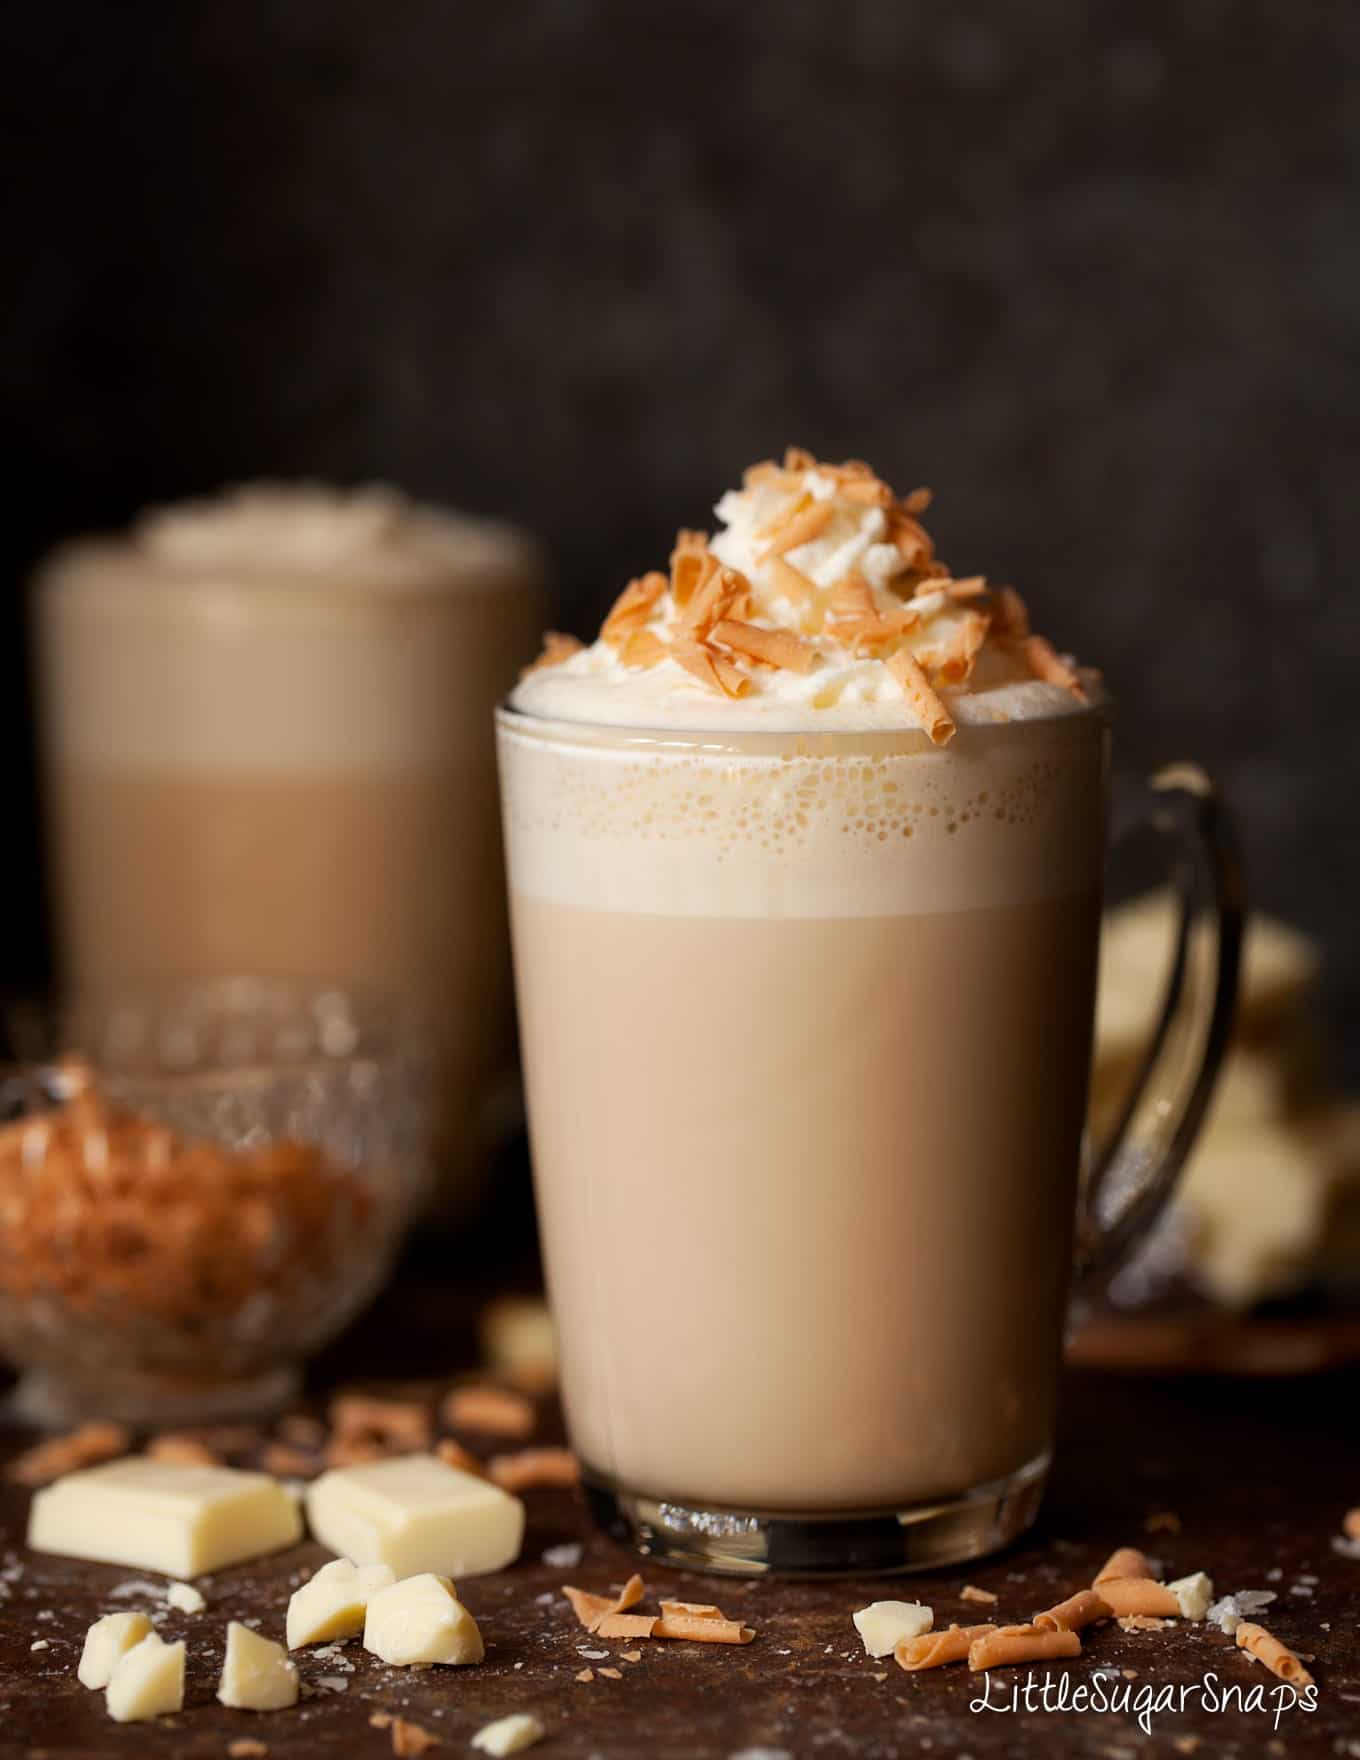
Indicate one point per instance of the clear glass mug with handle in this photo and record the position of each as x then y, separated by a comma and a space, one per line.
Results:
807, 1025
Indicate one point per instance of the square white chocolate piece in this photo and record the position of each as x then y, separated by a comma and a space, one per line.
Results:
416, 1514
107, 1640
157, 1516
884, 1623
256, 1673
147, 1681
334, 1602
1193, 1593
509, 1735
421, 1620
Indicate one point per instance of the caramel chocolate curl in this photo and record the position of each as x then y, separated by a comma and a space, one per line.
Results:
494, 1411
1010, 615
916, 687
702, 1628
82, 1447
710, 669
632, 608
1277, 1657
557, 647
1011, 1644
934, 1649
1081, 1609
625, 1625
535, 1469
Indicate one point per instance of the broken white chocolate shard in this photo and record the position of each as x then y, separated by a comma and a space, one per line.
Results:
256, 1673
162, 1517
147, 1681
509, 1735
334, 1602
184, 1597
421, 1620
883, 1624
416, 1514
1194, 1593
107, 1640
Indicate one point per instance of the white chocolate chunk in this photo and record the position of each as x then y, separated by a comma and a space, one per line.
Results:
421, 1620
185, 1597
161, 1517
509, 1735
334, 1602
416, 1514
256, 1673
883, 1623
1194, 1593
146, 1681
107, 1640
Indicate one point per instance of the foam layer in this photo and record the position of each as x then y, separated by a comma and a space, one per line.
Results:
863, 590
838, 827
284, 631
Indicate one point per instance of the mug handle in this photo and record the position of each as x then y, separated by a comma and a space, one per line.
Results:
1131, 1175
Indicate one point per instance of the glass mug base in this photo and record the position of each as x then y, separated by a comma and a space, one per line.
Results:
865, 1543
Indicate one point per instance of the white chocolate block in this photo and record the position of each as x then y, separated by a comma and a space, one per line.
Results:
107, 1640
883, 1623
146, 1681
184, 1597
509, 1735
256, 1673
1194, 1593
416, 1514
161, 1517
334, 1602
421, 1620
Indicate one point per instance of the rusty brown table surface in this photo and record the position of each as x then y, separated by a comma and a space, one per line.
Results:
1259, 1474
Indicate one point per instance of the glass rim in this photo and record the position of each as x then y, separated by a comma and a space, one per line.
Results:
793, 741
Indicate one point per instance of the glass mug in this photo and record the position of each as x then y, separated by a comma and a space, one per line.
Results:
807, 1023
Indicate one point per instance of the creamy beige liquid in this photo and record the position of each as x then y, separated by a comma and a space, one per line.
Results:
806, 1044
291, 776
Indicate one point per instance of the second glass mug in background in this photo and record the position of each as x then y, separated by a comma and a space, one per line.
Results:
267, 748
806, 1022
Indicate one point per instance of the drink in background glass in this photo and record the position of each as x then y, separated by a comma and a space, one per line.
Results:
805, 936
265, 723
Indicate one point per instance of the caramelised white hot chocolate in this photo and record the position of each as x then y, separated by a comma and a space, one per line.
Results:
805, 858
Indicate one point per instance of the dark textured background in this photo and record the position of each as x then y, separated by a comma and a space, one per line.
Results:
1092, 271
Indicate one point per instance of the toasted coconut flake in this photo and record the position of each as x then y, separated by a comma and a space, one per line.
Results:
626, 1625
852, 602
591, 1609
1277, 1657
710, 669
492, 1411
643, 648
557, 647
911, 538
956, 662
1046, 663
701, 1629
1010, 615
453, 1454
96, 1441
801, 528
790, 582
182, 1450
934, 1649
402, 1424
933, 716
632, 608
535, 1469
773, 647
